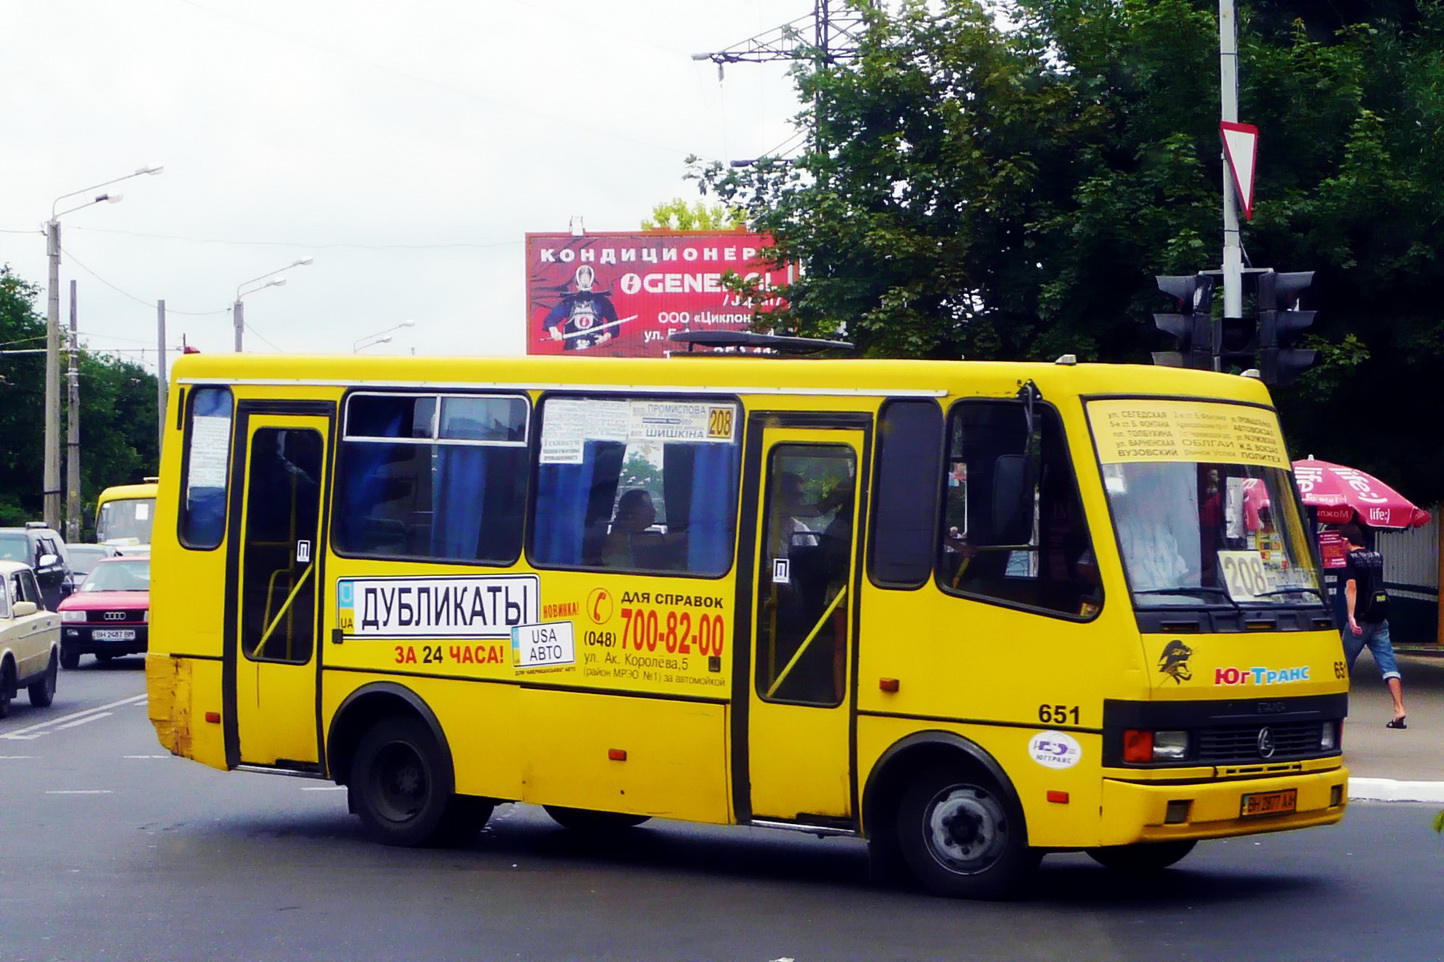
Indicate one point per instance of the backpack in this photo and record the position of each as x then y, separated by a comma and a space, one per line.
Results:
1371, 603
1372, 607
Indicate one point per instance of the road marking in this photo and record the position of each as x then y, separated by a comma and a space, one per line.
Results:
146, 756
325, 788
14, 758
84, 721
1394, 790
54, 724
79, 791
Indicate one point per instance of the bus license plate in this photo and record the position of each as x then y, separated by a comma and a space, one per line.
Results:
1269, 803
113, 634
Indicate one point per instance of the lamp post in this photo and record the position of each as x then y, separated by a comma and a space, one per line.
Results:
52, 335
238, 314
380, 337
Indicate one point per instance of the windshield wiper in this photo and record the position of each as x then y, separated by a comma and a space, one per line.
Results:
1291, 591
1187, 589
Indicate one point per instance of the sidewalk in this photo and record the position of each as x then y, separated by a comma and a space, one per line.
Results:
1387, 764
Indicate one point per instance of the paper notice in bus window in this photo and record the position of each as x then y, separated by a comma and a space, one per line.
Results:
681, 421
1131, 431
210, 448
569, 423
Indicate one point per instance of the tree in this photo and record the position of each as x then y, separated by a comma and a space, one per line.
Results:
679, 215
118, 440
1010, 192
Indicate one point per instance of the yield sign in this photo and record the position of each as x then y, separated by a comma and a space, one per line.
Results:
1240, 146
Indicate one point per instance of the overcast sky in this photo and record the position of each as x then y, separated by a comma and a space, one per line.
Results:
407, 147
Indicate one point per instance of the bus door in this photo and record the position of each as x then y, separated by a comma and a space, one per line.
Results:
809, 483
271, 657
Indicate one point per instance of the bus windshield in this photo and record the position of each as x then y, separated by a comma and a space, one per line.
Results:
125, 518
1217, 533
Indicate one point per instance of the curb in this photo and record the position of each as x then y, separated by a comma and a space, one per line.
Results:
1393, 790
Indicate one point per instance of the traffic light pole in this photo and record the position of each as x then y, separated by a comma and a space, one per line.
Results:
1228, 90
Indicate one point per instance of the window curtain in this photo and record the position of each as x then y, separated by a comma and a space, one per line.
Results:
458, 497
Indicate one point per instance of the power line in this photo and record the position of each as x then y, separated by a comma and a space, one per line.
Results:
138, 300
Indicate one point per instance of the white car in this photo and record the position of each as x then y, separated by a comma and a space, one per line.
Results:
29, 639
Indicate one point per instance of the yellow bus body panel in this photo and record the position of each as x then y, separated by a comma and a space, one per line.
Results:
647, 730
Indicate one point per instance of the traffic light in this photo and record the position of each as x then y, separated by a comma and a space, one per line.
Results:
1235, 343
1279, 325
1192, 325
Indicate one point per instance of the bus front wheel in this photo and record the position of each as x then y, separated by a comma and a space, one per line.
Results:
1143, 858
401, 786
961, 837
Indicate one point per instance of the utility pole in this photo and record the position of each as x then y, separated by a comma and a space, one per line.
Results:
833, 36
51, 487
1228, 91
160, 383
238, 317
73, 520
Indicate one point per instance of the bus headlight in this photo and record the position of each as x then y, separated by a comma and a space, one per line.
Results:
1142, 746
1170, 746
1329, 737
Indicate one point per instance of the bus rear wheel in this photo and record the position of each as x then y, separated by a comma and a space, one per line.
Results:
401, 786
962, 837
596, 823
1143, 858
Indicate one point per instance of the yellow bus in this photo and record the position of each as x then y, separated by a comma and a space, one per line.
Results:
972, 612
124, 513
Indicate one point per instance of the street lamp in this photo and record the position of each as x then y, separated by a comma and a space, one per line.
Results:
271, 280
380, 337
52, 336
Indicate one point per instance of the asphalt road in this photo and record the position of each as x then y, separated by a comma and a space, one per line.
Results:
115, 851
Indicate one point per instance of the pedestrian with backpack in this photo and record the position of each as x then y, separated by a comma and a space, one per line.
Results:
1366, 605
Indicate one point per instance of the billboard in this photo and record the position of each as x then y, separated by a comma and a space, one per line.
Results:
621, 294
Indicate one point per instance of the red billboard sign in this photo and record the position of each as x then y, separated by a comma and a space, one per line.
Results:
622, 293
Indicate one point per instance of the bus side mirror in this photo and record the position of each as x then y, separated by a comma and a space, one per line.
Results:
1012, 501
24, 609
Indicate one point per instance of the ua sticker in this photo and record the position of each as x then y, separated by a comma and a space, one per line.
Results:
1055, 749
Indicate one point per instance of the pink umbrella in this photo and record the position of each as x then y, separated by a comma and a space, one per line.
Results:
1340, 494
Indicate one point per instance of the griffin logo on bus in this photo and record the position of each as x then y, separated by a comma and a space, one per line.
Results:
1174, 661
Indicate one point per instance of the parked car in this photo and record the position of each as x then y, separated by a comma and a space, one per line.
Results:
83, 558
110, 614
45, 552
29, 639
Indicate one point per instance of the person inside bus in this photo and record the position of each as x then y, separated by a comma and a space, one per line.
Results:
635, 514
790, 506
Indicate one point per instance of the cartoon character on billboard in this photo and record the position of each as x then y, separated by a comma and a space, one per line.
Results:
584, 318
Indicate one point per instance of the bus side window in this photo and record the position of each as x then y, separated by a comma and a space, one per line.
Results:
433, 476
206, 468
1041, 558
905, 505
579, 519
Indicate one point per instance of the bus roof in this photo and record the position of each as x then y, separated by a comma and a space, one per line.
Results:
724, 373
118, 492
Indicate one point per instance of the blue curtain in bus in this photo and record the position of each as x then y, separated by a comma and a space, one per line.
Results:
713, 508
561, 511
458, 495
363, 484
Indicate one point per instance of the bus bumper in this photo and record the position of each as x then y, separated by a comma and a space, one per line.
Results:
1137, 812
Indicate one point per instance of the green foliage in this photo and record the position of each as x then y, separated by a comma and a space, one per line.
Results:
1011, 192
699, 215
118, 441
